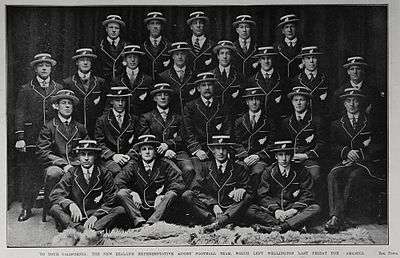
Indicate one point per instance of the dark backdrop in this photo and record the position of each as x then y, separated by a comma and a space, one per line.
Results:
340, 31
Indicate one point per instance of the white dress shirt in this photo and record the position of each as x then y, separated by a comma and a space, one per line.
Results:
84, 76
205, 100
131, 72
284, 171
201, 38
219, 164
257, 115
308, 73
43, 83
87, 173
158, 40
148, 166
116, 114
179, 70
116, 41
300, 116
243, 41
356, 85
63, 120
269, 72
351, 116
291, 42
227, 69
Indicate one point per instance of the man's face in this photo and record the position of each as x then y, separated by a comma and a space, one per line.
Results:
162, 99
86, 158
147, 152
154, 27
65, 107
299, 103
220, 153
355, 73
243, 30
84, 64
118, 104
289, 30
197, 27
283, 158
224, 57
310, 63
113, 30
43, 69
352, 104
206, 89
179, 58
132, 61
254, 104
266, 63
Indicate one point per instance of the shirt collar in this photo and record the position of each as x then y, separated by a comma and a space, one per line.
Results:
87, 170
116, 113
179, 69
223, 168
148, 166
83, 75
201, 38
356, 85
258, 114
307, 72
270, 72
162, 110
131, 72
284, 171
40, 80
63, 120
227, 69
158, 39
205, 100
356, 116
301, 115
248, 40
116, 41
294, 41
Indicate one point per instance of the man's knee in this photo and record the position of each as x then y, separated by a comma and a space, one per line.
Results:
54, 173
187, 196
314, 208
315, 172
170, 195
334, 174
55, 209
123, 194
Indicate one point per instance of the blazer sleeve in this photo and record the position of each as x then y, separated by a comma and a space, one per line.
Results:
193, 144
264, 193
321, 140
61, 193
175, 179
240, 150
125, 178
99, 135
21, 106
305, 197
339, 150
109, 191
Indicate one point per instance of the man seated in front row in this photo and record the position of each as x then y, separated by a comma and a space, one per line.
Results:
85, 196
284, 197
148, 186
218, 194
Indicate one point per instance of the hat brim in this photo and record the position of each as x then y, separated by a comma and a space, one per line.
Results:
56, 98
267, 54
355, 64
351, 95
205, 80
286, 22
253, 95
179, 49
77, 149
49, 60
151, 143
146, 20
218, 47
85, 55
284, 149
154, 92
292, 94
133, 52
205, 18
235, 23
119, 96
114, 21
309, 54
226, 144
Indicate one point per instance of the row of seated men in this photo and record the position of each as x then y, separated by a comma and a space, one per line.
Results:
117, 130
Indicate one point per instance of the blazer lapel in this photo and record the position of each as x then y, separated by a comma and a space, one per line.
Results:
94, 178
80, 180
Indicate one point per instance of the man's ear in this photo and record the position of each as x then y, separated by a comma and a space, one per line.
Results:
55, 106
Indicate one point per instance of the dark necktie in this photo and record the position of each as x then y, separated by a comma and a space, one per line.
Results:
253, 121
155, 43
224, 76
197, 46
244, 47
354, 122
164, 115
113, 45
208, 103
119, 119
312, 77
220, 169
66, 125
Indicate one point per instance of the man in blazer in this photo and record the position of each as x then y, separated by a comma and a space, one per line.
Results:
116, 131
156, 45
179, 76
253, 132
218, 194
354, 147
56, 142
201, 45
284, 197
288, 46
85, 196
33, 111
90, 90
149, 185
245, 46
109, 51
138, 83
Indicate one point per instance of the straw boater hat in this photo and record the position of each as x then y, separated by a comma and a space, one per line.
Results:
355, 60
282, 146
224, 44
309, 51
43, 57
253, 92
222, 141
84, 52
115, 19
179, 46
351, 92
300, 90
147, 139
161, 87
244, 18
290, 18
205, 77
119, 92
265, 51
132, 49
87, 145
154, 16
197, 15
65, 94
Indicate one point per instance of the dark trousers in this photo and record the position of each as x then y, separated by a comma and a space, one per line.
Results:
314, 168
184, 162
138, 214
261, 215
341, 182
255, 174
63, 218
204, 213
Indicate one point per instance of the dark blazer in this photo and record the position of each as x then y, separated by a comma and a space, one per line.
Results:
169, 131
286, 61
309, 136
109, 61
201, 123
204, 60
34, 110
276, 192
55, 144
162, 178
98, 195
213, 187
157, 59
245, 63
115, 140
140, 102
91, 101
254, 141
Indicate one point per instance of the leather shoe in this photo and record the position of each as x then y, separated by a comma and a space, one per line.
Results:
333, 225
266, 229
24, 215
